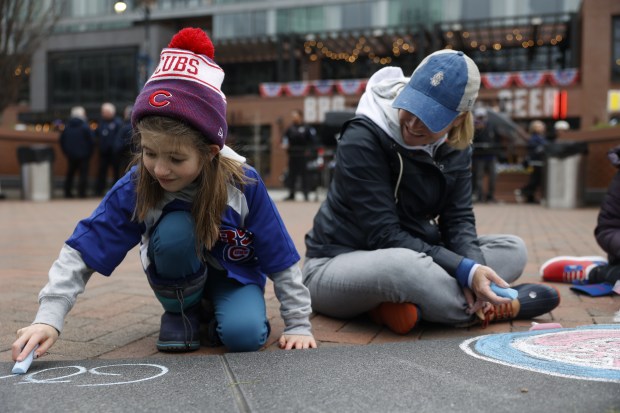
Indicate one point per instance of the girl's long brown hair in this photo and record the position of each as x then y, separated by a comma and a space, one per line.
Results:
212, 194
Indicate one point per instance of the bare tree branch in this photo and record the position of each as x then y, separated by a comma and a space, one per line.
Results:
24, 24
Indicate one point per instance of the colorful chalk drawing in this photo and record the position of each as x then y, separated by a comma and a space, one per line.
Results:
61, 374
584, 353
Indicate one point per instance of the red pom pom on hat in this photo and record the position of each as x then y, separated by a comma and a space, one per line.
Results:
194, 40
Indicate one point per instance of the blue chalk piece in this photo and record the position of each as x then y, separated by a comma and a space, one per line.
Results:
21, 367
504, 292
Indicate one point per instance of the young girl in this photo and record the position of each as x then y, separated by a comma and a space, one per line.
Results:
207, 229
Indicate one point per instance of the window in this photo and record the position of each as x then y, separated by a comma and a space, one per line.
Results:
411, 13
89, 78
615, 52
476, 9
546, 7
234, 25
63, 80
300, 20
244, 78
356, 16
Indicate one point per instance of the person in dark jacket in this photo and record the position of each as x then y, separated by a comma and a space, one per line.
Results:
124, 147
77, 144
484, 161
107, 135
396, 235
607, 231
595, 269
300, 141
536, 159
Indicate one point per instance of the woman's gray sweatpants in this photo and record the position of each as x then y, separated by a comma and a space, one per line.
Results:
353, 283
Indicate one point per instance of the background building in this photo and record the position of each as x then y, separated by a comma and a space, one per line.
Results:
549, 60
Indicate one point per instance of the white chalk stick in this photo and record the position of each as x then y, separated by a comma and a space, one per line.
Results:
21, 367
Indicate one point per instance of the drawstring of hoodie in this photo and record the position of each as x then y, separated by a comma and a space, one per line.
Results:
400, 177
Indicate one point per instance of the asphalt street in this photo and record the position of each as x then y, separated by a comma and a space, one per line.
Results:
422, 376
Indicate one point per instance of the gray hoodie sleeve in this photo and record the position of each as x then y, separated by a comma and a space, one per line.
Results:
67, 278
294, 300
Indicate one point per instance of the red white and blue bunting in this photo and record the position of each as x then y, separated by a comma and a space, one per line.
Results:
270, 90
297, 88
498, 80
565, 77
530, 78
323, 87
350, 86
317, 87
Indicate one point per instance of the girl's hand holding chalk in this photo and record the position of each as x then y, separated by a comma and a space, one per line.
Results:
21, 367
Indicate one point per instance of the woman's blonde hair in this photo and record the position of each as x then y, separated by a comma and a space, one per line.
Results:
462, 135
212, 194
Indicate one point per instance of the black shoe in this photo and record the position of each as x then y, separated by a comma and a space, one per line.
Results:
533, 301
208, 325
179, 332
209, 335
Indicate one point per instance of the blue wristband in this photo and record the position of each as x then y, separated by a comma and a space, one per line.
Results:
463, 270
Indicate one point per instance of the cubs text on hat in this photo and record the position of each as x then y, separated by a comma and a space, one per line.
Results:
186, 85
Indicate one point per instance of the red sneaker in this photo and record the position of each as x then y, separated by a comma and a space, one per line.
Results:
569, 269
398, 317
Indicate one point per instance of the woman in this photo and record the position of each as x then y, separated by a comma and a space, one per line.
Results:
396, 235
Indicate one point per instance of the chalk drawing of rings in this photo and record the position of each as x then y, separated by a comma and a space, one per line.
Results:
68, 374
585, 353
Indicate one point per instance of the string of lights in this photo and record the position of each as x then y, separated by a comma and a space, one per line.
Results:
314, 48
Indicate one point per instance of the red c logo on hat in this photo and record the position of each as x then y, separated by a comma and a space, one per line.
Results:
153, 101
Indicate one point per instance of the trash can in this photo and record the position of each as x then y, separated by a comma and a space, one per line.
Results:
36, 172
565, 174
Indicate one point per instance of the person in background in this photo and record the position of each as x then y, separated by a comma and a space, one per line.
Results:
536, 160
558, 128
209, 233
300, 141
484, 159
124, 147
77, 144
106, 136
595, 269
396, 236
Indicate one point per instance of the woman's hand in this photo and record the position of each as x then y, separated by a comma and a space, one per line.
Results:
28, 337
481, 288
291, 341
473, 303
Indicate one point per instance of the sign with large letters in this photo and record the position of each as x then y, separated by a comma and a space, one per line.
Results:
534, 102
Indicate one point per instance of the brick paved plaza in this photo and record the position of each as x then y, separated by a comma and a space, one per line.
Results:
118, 317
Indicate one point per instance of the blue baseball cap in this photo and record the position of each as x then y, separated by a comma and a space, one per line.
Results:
443, 85
594, 290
